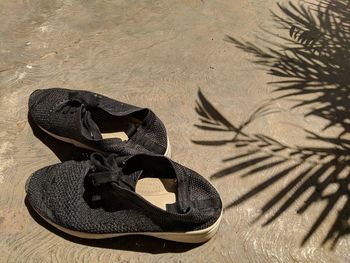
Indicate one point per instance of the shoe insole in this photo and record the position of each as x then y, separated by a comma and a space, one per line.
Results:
159, 192
113, 127
112, 135
118, 132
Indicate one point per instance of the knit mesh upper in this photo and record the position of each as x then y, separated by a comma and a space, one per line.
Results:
61, 112
59, 193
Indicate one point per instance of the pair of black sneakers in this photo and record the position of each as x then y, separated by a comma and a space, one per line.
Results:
128, 185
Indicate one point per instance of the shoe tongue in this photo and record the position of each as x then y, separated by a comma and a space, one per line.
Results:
89, 126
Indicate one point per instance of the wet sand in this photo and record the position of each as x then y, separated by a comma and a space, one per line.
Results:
282, 171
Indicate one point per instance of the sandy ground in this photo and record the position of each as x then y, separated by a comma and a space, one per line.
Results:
282, 176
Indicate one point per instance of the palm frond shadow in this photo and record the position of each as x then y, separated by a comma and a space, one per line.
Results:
313, 65
324, 171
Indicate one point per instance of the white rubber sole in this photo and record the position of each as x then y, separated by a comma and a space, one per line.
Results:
197, 236
81, 145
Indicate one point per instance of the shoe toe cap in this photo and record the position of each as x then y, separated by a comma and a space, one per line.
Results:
35, 97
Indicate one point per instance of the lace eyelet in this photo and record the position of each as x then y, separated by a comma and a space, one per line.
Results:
185, 210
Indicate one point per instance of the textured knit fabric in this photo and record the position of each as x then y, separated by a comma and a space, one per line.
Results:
82, 116
66, 194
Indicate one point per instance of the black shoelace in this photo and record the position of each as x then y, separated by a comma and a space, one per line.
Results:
86, 102
107, 170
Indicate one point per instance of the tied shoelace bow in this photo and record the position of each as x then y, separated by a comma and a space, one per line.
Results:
86, 102
107, 170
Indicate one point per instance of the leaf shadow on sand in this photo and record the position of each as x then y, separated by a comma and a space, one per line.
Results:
312, 64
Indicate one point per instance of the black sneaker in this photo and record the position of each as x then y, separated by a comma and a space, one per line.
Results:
98, 123
107, 197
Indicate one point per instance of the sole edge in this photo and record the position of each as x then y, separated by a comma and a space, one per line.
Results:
197, 236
